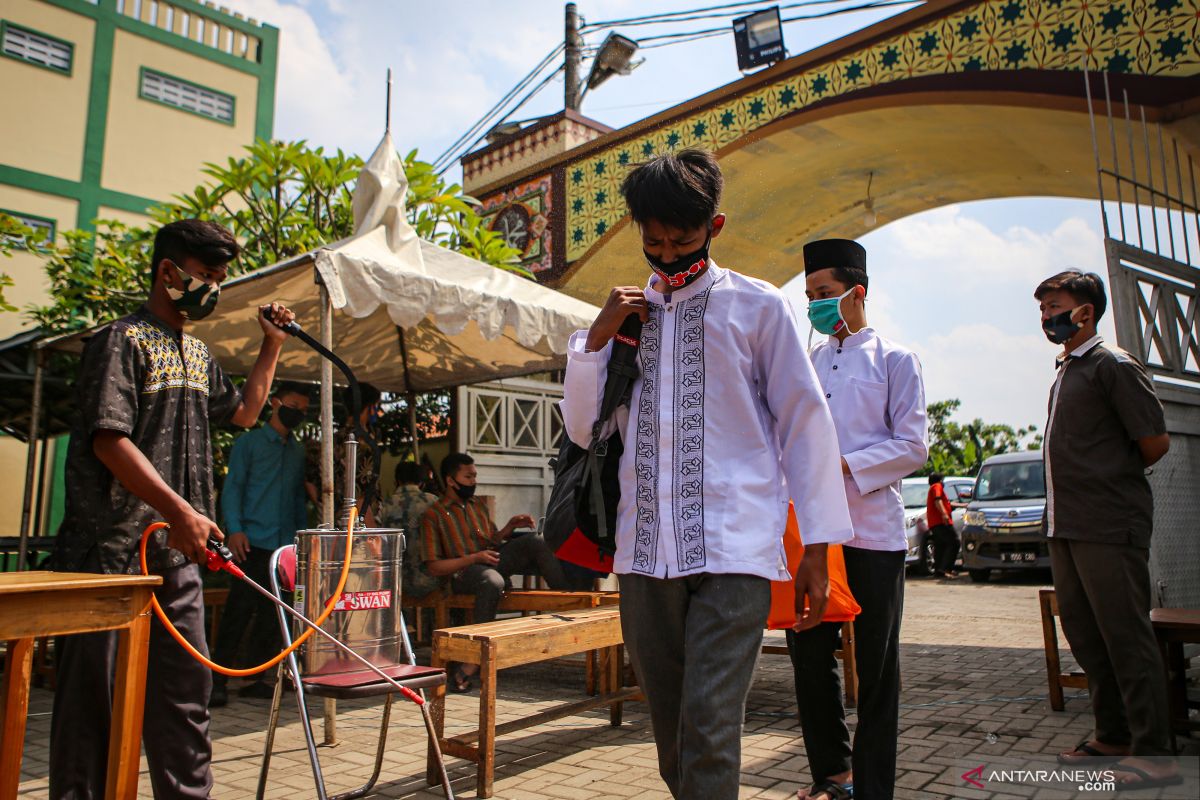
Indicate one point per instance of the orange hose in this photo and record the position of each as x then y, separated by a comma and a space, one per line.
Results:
243, 673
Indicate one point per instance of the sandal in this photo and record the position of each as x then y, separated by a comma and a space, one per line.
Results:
1085, 752
833, 790
460, 682
1144, 779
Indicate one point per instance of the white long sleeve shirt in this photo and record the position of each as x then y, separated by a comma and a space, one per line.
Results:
727, 407
877, 398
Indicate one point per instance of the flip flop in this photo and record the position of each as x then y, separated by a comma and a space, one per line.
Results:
1145, 779
460, 682
833, 790
1084, 751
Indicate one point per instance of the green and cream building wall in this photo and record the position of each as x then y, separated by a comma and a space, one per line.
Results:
114, 105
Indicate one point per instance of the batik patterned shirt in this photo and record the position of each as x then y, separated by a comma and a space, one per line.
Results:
163, 390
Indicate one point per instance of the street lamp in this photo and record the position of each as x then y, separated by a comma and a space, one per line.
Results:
615, 58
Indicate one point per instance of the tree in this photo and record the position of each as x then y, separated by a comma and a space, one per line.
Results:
960, 449
280, 200
15, 236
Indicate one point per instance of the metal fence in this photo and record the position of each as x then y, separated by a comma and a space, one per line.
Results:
1148, 193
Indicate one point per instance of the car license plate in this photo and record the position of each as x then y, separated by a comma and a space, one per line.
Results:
1017, 558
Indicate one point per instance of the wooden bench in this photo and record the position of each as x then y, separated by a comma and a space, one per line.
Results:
523, 600
1048, 601
214, 605
845, 653
1175, 627
524, 640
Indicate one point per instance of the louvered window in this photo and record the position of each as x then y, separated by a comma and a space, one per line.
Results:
36, 48
187, 96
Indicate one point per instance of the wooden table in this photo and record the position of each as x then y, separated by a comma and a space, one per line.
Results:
36, 604
1175, 627
524, 640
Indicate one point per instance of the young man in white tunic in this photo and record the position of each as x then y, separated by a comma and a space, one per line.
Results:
877, 398
725, 422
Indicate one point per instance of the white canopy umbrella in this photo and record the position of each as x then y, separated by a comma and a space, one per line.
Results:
413, 316
424, 317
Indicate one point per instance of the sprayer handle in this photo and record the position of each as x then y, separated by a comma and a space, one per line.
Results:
220, 558
293, 328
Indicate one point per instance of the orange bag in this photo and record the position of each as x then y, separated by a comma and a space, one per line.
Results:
842, 605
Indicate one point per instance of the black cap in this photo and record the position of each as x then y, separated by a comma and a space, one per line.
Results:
830, 253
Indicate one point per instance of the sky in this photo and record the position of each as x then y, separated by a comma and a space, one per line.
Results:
954, 284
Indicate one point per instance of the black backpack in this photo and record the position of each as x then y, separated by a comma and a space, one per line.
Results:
581, 517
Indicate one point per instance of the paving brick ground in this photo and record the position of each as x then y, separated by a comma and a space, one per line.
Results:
974, 694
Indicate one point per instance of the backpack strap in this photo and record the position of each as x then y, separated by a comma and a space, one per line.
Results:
622, 372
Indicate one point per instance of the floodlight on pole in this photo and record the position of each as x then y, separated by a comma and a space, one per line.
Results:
502, 131
614, 58
759, 39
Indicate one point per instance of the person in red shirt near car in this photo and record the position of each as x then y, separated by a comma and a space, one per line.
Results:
941, 528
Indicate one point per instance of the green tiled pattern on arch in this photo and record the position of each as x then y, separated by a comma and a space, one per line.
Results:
1147, 37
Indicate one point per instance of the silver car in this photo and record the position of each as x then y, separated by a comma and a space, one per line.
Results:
915, 492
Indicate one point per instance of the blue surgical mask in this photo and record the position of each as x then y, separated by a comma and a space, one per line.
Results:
826, 315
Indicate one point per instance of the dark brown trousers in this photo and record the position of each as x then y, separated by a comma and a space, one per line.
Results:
1104, 603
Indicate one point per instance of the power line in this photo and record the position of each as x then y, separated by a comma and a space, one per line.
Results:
489, 116
497, 114
692, 35
532, 93
701, 13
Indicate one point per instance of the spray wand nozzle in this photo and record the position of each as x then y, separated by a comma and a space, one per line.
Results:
220, 557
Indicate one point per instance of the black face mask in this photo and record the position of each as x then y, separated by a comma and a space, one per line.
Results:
683, 270
291, 417
464, 493
1060, 328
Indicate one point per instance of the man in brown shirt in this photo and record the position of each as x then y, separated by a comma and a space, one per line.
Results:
1105, 428
461, 541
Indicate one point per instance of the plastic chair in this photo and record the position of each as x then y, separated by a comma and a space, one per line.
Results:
341, 685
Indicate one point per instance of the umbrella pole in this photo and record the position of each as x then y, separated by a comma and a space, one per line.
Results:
327, 497
35, 418
329, 710
412, 398
412, 426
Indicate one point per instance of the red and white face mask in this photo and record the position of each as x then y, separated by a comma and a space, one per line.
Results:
683, 270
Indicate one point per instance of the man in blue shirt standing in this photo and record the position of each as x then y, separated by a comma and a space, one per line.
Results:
263, 502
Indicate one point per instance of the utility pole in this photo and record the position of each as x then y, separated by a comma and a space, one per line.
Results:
574, 58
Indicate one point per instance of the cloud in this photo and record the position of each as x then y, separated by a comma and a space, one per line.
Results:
950, 243
997, 376
449, 66
315, 94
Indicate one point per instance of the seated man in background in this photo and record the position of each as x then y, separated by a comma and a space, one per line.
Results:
461, 542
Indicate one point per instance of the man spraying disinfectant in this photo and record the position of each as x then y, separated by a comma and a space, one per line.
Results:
140, 452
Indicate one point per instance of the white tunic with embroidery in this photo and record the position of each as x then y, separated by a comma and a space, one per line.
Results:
727, 407
877, 398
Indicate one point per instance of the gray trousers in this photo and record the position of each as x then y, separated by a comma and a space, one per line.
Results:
175, 724
1104, 603
694, 643
524, 554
